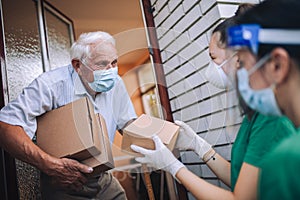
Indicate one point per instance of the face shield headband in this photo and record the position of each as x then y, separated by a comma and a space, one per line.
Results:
251, 35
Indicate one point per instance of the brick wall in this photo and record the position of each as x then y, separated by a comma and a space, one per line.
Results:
183, 29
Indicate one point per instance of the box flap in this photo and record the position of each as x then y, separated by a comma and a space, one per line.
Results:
104, 161
95, 129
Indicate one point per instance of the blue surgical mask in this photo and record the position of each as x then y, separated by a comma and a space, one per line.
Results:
104, 80
263, 100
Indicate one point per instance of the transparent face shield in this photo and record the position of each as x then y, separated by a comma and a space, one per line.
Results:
236, 108
232, 111
245, 40
230, 65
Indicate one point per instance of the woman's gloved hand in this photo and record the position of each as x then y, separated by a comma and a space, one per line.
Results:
160, 158
189, 140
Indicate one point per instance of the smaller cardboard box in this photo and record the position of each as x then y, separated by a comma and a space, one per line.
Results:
103, 161
141, 131
70, 131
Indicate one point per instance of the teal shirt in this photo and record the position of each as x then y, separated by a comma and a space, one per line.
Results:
256, 138
280, 172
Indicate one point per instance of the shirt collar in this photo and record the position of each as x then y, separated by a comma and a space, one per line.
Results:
78, 85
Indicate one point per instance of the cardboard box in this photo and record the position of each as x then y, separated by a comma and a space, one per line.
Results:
76, 132
70, 131
103, 161
141, 131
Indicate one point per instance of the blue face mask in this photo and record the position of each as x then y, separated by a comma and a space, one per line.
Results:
263, 100
104, 80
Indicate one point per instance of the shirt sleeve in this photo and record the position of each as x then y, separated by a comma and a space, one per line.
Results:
123, 105
32, 102
266, 134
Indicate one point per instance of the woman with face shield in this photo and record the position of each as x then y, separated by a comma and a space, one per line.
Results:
248, 151
249, 148
268, 44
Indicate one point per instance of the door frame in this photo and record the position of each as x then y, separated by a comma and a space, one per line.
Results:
176, 191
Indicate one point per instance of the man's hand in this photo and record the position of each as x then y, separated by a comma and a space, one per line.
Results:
68, 173
65, 172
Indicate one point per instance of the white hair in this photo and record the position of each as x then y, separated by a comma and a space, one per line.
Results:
82, 47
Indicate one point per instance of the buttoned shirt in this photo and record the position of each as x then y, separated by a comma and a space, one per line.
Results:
59, 87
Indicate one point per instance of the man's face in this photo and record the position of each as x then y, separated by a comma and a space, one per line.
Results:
103, 56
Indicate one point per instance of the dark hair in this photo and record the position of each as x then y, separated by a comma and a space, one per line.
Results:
223, 26
280, 14
243, 8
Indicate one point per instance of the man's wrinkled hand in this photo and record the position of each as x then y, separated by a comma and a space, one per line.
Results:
69, 173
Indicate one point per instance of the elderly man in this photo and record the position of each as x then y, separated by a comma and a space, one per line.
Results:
93, 73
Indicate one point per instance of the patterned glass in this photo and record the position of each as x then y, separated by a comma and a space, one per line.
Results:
59, 40
23, 52
23, 64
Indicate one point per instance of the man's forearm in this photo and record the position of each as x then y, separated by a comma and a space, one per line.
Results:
14, 140
66, 172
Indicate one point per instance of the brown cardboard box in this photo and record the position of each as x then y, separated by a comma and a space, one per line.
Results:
103, 161
70, 131
74, 131
140, 133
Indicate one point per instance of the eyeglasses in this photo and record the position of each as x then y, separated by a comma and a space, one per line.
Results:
101, 65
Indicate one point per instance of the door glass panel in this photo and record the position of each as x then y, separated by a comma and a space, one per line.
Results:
23, 64
59, 38
23, 52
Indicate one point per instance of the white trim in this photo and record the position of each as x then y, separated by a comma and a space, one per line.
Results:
279, 36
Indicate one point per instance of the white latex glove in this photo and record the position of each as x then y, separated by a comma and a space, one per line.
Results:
189, 140
160, 158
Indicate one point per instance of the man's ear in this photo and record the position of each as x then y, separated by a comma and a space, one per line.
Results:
76, 65
281, 61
